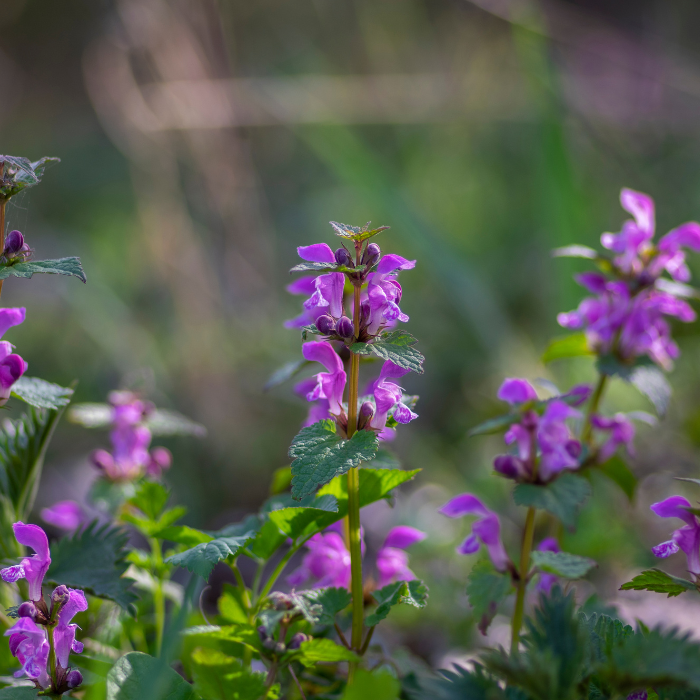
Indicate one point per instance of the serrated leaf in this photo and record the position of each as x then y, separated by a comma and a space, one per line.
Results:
232, 606
182, 534
61, 266
299, 522
150, 498
18, 693
605, 633
306, 330
320, 454
563, 497
12, 612
413, 593
563, 564
356, 233
575, 251
396, 346
244, 634
285, 373
466, 684
221, 677
202, 558
314, 266
659, 582
315, 651
377, 685
384, 459
17, 173
575, 345
138, 676
494, 425
267, 541
617, 470
40, 393
331, 601
94, 560
486, 590
375, 484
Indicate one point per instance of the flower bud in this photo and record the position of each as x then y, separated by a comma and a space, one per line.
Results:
262, 632
269, 643
74, 678
325, 324
280, 648
60, 595
281, 601
297, 640
371, 254
13, 243
342, 257
161, 459
344, 327
27, 609
573, 447
366, 413
530, 420
509, 466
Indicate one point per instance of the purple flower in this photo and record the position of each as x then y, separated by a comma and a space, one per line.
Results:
621, 431
64, 633
388, 396
327, 561
384, 293
328, 385
29, 645
544, 585
32, 568
485, 530
686, 538
66, 515
392, 560
317, 252
12, 366
325, 298
515, 391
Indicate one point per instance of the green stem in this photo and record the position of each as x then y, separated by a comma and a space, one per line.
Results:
52, 657
241, 585
158, 596
279, 568
587, 429
3, 204
519, 611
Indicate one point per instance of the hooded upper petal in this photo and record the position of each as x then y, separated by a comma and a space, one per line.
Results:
11, 317
517, 391
464, 504
641, 206
403, 536
323, 352
675, 507
317, 252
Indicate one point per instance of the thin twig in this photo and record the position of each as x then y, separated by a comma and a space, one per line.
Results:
341, 635
296, 680
368, 639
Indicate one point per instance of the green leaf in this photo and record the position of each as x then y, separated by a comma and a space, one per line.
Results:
465, 684
314, 266
182, 534
299, 522
138, 676
377, 685
17, 173
285, 373
202, 558
574, 345
562, 498
244, 634
494, 425
23, 445
384, 459
413, 593
486, 590
563, 564
61, 266
221, 677
316, 651
94, 560
232, 606
659, 582
150, 498
306, 330
356, 233
331, 600
41, 394
320, 454
18, 693
281, 480
91, 415
267, 541
617, 470
396, 346
575, 251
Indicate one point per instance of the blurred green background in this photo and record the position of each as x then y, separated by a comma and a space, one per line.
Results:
201, 142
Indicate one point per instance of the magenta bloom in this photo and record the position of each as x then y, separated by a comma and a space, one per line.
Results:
384, 292
34, 567
329, 385
486, 529
686, 538
544, 585
392, 559
389, 395
66, 515
12, 366
64, 633
621, 432
325, 294
30, 646
515, 391
327, 561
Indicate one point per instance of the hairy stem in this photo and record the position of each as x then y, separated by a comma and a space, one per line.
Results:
354, 535
587, 429
158, 596
528, 537
3, 204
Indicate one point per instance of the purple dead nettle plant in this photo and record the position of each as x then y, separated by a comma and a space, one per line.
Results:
625, 325
44, 636
354, 306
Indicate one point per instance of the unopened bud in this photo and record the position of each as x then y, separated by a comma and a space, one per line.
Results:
269, 643
530, 420
60, 595
366, 413
325, 324
27, 609
13, 243
371, 254
281, 601
262, 632
297, 640
344, 327
74, 678
280, 648
342, 257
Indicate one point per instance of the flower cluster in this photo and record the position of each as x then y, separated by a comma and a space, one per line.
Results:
327, 563
686, 538
626, 315
324, 313
130, 457
12, 366
44, 628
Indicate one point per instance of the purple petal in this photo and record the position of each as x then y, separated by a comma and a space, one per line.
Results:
469, 546
665, 549
330, 287
66, 515
686, 236
76, 603
674, 507
403, 414
464, 504
403, 536
592, 281
318, 252
570, 319
392, 371
549, 544
12, 574
509, 466
516, 391
641, 206
323, 352
63, 638
10, 317
33, 536
392, 262
304, 285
